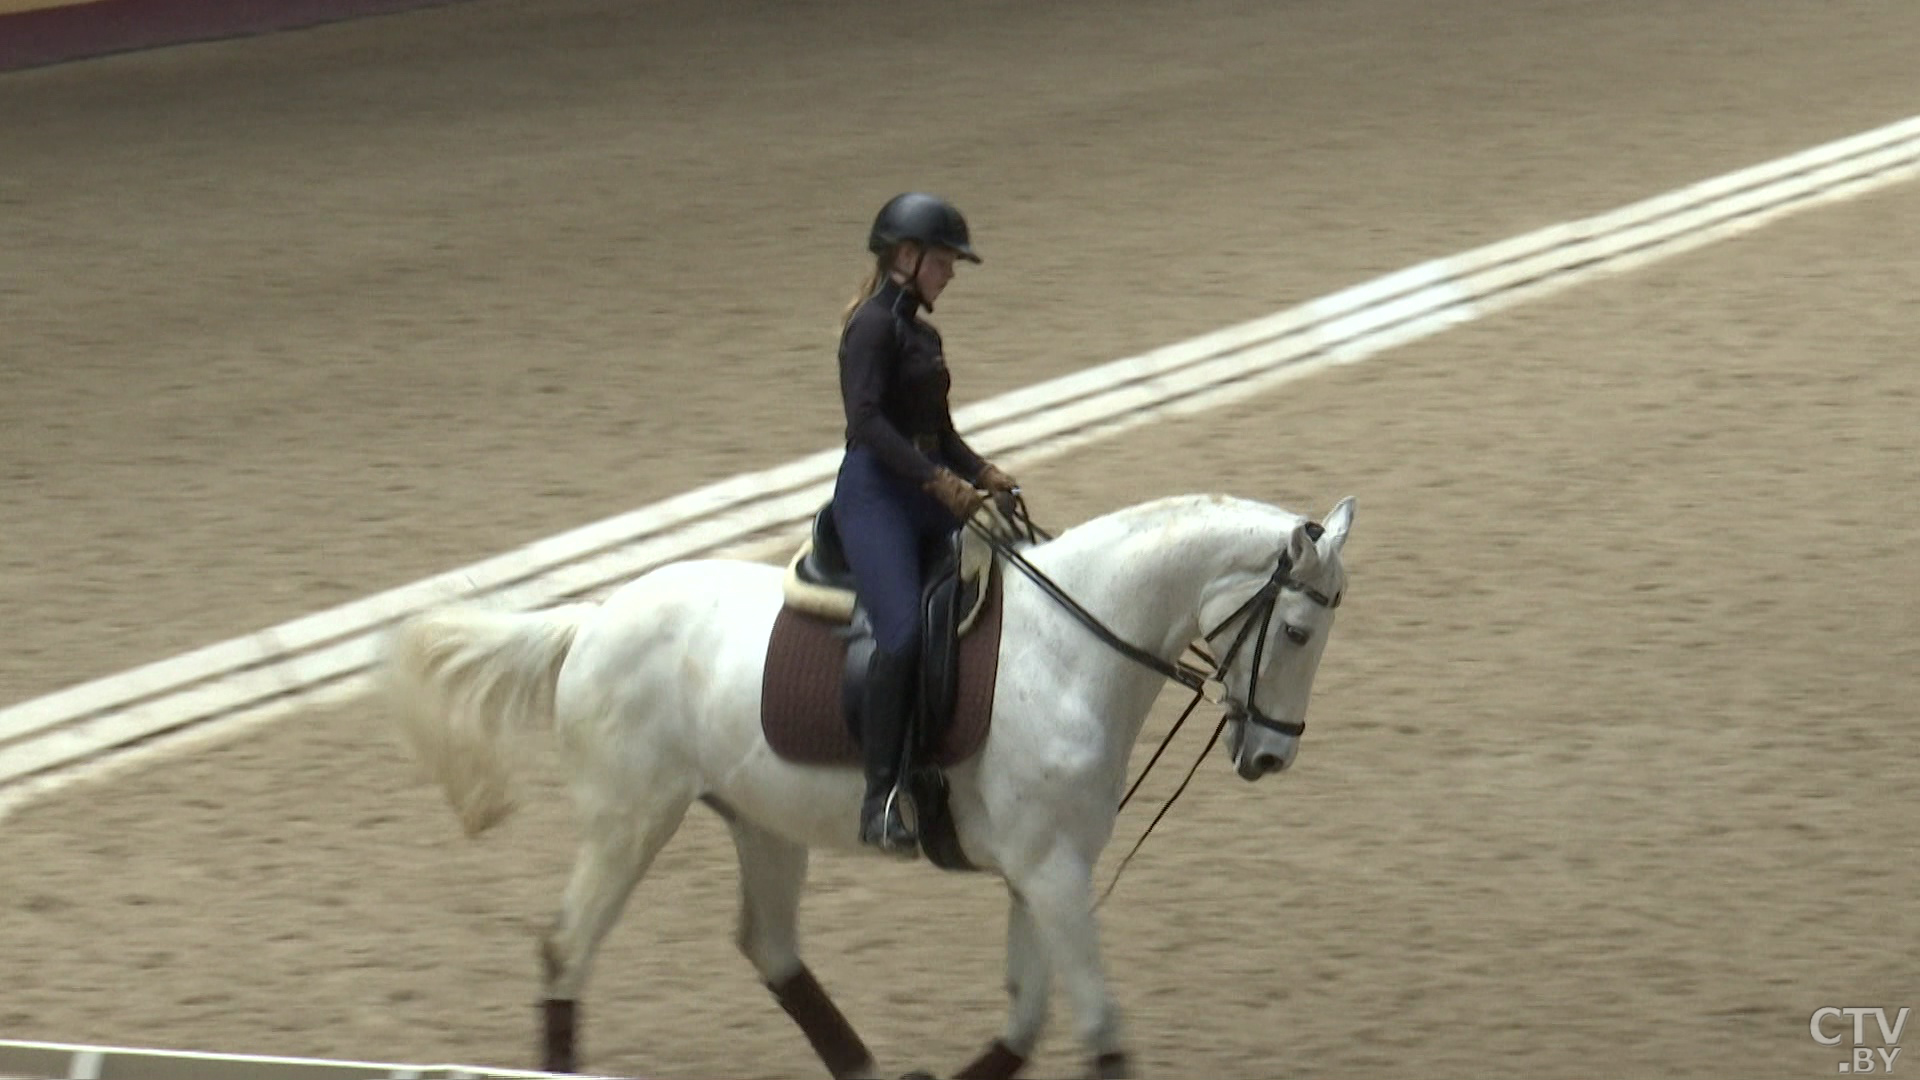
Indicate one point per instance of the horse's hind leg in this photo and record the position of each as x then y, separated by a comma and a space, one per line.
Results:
1028, 982
772, 872
619, 843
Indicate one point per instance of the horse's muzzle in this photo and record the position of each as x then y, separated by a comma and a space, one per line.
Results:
1252, 767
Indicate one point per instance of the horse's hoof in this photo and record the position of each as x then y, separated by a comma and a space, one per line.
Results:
997, 1062
918, 1074
1112, 1065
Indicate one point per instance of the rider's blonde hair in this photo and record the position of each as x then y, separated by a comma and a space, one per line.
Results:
882, 266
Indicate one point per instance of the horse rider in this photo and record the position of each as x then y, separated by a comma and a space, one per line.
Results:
907, 478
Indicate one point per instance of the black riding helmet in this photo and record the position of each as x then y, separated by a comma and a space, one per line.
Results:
927, 219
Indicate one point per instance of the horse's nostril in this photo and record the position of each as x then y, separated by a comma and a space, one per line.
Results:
1267, 762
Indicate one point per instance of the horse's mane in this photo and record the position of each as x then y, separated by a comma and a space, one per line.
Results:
1265, 524
1130, 521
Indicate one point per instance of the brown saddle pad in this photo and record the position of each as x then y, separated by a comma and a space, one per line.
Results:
800, 711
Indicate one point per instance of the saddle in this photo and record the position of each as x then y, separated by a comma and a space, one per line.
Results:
817, 661
820, 583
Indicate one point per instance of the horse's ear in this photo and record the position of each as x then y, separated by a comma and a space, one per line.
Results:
1339, 520
1301, 550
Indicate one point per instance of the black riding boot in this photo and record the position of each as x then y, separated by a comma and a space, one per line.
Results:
883, 735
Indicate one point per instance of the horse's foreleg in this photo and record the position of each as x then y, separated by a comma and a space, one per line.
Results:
1060, 895
772, 872
617, 847
1028, 978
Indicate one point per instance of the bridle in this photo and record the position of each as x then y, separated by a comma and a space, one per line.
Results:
1206, 685
1258, 610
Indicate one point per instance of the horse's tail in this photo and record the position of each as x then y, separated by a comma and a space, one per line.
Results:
460, 680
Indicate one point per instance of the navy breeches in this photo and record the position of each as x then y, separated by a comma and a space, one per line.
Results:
886, 524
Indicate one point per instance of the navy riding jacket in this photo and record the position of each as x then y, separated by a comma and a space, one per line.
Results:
894, 383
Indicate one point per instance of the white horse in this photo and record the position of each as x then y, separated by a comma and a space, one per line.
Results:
654, 696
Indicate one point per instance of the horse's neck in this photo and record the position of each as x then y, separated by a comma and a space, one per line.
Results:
1146, 571
1147, 568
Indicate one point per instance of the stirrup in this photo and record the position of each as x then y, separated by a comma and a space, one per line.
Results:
886, 829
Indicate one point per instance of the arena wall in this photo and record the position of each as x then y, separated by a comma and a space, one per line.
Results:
34, 33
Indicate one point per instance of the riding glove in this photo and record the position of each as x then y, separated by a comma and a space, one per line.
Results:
959, 497
996, 481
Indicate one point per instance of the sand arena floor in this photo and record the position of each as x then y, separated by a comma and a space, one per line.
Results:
1608, 771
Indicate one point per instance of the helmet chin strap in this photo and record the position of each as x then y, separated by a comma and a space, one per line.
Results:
912, 282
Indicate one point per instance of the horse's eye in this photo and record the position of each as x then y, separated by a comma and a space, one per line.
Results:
1298, 635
